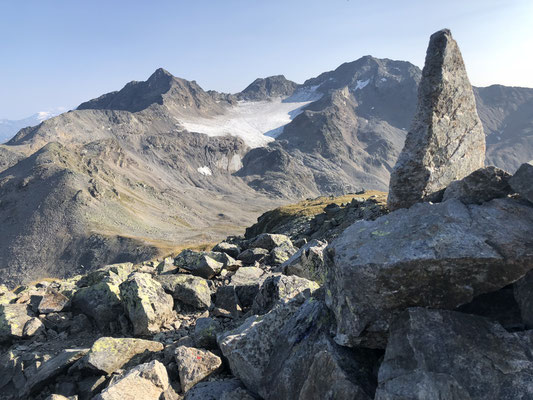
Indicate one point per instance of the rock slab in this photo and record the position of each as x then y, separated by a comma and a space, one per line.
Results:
109, 354
146, 381
431, 255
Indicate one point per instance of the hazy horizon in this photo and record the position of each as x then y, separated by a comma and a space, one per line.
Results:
61, 55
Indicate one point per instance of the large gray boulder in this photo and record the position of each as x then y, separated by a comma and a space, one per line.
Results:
446, 141
269, 241
51, 301
101, 302
249, 347
246, 282
437, 354
201, 264
114, 273
13, 317
522, 181
431, 255
188, 289
146, 303
308, 262
287, 352
279, 289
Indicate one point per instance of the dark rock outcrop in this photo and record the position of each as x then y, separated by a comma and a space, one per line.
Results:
286, 353
446, 140
434, 354
522, 181
480, 186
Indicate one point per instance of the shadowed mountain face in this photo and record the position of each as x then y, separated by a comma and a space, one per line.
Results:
163, 163
507, 116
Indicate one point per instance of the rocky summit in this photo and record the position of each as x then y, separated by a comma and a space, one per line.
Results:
332, 297
446, 141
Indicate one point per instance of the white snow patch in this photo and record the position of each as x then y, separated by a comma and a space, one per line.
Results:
361, 84
256, 122
383, 79
205, 170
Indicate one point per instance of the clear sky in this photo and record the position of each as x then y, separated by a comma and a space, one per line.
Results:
59, 53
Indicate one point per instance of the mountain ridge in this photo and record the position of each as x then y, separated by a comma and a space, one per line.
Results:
191, 165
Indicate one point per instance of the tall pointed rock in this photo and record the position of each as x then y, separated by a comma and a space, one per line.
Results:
446, 141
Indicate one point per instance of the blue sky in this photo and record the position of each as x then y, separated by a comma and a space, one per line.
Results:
58, 53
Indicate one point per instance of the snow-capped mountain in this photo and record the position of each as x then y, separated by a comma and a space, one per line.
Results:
8, 127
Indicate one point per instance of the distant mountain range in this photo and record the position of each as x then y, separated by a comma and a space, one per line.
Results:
8, 128
161, 163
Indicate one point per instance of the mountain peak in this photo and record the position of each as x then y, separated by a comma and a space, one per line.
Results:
264, 88
160, 73
134, 96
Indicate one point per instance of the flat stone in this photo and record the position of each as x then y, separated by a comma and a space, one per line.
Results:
247, 281
109, 354
52, 301
33, 327
281, 253
229, 248
146, 381
205, 333
226, 299
251, 256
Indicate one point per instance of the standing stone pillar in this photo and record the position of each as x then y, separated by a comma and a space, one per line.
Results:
446, 141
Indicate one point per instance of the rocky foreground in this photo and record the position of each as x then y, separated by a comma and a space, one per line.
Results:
198, 326
430, 301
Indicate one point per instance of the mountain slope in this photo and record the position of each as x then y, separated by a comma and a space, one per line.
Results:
507, 116
162, 163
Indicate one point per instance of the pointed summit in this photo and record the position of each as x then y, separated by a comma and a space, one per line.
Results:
160, 74
265, 88
446, 141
